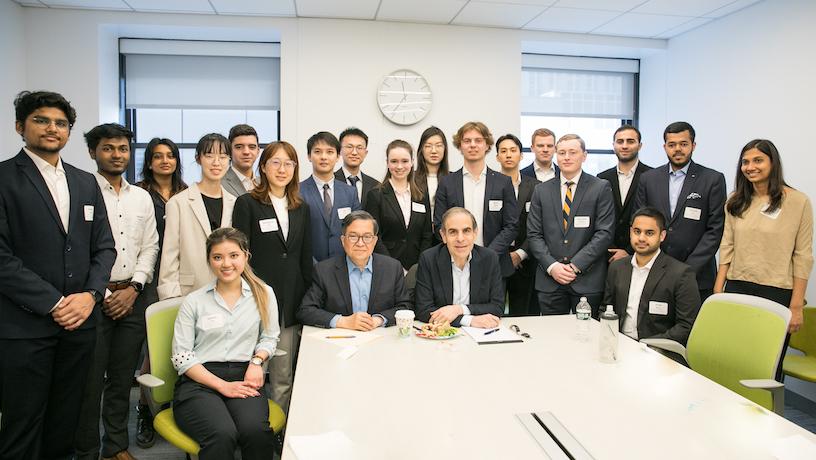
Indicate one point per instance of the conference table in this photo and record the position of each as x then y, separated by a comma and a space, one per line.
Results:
414, 398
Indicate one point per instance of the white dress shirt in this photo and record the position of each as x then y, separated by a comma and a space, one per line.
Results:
544, 174
54, 177
320, 187
247, 182
625, 181
133, 223
358, 185
639, 276
473, 188
461, 289
433, 183
404, 200
281, 206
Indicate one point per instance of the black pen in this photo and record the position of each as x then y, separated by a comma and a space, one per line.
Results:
492, 331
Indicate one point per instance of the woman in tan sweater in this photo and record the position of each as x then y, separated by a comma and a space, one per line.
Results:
767, 246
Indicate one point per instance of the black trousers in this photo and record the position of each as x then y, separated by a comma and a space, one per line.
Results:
563, 300
220, 424
520, 294
778, 295
118, 345
41, 384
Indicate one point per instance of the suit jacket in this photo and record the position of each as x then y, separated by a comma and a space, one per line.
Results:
330, 293
623, 213
398, 241
283, 264
500, 227
434, 283
689, 240
184, 267
369, 183
585, 247
326, 231
529, 170
232, 183
669, 281
525, 194
39, 260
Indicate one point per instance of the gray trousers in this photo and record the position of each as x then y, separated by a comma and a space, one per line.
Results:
282, 368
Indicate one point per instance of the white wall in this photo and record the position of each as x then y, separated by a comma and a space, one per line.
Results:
12, 77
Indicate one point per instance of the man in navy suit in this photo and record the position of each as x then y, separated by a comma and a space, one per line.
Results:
569, 230
487, 194
329, 199
56, 255
691, 197
543, 146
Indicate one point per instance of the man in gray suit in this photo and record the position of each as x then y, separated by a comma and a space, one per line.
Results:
569, 229
240, 178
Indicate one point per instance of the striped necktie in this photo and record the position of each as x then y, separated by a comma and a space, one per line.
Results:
567, 204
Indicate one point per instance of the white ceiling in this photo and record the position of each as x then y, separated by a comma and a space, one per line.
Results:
628, 18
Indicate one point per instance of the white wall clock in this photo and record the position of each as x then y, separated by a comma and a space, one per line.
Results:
404, 97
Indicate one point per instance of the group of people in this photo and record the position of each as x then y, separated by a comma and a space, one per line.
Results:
256, 255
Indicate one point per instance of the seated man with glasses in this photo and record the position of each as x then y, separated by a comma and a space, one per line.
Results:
459, 282
356, 290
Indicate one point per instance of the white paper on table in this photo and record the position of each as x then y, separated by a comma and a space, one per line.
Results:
503, 335
357, 337
334, 445
795, 447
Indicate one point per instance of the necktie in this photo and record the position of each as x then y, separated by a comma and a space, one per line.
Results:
353, 181
567, 204
327, 202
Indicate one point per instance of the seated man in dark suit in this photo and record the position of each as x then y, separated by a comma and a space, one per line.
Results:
459, 282
654, 294
358, 289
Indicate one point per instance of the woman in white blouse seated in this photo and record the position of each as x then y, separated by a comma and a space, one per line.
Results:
223, 334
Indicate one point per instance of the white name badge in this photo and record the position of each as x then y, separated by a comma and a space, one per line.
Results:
770, 215
527, 206
89, 210
658, 308
212, 322
581, 221
417, 207
692, 213
268, 225
343, 212
495, 205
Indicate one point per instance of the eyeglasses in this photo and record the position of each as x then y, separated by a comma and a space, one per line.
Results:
518, 331
351, 148
210, 156
354, 238
276, 164
45, 122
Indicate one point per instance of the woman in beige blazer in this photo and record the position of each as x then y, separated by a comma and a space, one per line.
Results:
190, 217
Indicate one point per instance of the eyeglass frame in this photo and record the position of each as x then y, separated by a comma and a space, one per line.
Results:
518, 331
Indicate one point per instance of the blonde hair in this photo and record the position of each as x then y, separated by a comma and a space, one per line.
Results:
473, 125
572, 137
256, 285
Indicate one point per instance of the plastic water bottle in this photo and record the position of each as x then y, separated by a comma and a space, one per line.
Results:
583, 313
608, 340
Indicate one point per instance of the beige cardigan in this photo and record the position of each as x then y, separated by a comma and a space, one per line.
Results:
184, 266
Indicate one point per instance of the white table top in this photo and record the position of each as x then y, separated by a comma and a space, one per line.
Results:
415, 398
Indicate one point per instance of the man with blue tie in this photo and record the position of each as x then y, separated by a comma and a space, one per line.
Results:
329, 199
692, 197
357, 289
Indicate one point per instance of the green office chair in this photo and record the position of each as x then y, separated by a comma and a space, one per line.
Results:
737, 341
160, 319
804, 340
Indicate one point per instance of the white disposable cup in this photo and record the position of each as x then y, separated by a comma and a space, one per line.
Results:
405, 322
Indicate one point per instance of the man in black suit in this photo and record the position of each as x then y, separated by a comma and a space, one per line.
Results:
520, 283
624, 179
56, 254
357, 290
654, 294
543, 146
692, 198
486, 193
353, 149
569, 230
459, 282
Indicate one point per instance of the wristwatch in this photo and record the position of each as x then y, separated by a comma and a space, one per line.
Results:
97, 296
256, 360
137, 286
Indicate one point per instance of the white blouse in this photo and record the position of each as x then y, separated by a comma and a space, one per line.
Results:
281, 206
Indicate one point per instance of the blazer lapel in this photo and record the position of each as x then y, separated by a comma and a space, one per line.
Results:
30, 170
476, 274
663, 187
76, 208
625, 283
457, 196
376, 274
341, 274
577, 197
227, 206
655, 275
688, 186
390, 197
558, 208
633, 187
200, 212
445, 275
317, 198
